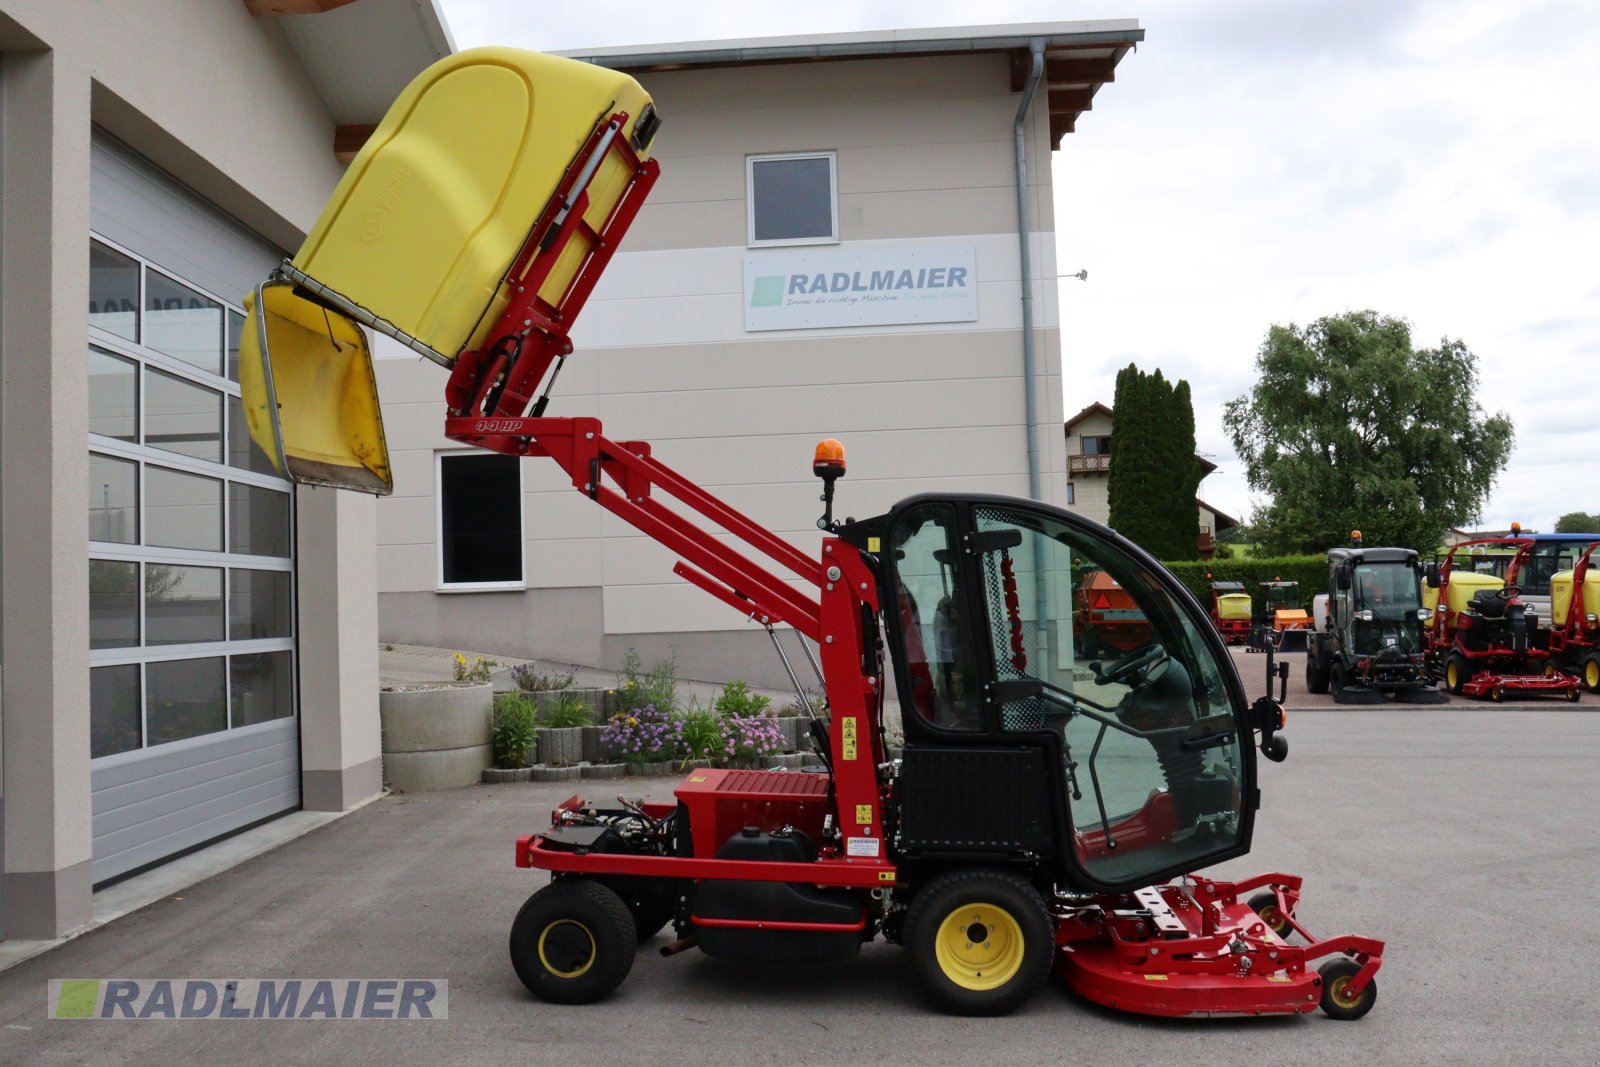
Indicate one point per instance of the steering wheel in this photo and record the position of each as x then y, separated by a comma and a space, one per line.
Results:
1134, 668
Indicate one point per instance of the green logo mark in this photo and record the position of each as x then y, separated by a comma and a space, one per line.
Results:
77, 998
768, 291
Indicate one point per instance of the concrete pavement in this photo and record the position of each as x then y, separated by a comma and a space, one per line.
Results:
1466, 838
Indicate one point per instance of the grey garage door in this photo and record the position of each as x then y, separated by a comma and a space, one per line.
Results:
194, 731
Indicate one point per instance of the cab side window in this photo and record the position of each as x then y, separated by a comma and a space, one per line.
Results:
935, 622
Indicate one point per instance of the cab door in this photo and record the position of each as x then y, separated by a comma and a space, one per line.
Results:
1056, 634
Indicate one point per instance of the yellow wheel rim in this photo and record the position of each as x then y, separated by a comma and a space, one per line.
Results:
1337, 992
566, 948
1452, 675
1591, 674
979, 946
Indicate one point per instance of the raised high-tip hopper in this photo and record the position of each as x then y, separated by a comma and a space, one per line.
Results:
490, 191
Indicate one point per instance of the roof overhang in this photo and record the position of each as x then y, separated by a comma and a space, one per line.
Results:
358, 56
1080, 57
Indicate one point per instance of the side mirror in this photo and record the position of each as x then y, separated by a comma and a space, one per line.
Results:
1344, 579
1430, 575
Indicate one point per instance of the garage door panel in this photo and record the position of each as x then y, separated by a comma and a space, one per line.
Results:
134, 854
229, 763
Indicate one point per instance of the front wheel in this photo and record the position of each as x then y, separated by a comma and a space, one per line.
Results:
1337, 1002
1316, 675
573, 942
1266, 906
1591, 672
980, 941
1336, 679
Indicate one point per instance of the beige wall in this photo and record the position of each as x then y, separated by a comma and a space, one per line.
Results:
925, 155
214, 97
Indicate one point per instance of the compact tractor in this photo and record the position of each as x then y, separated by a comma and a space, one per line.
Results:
1230, 611
1047, 813
1367, 642
1482, 639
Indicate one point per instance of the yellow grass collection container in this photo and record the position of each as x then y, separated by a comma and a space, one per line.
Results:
1233, 606
419, 235
1561, 596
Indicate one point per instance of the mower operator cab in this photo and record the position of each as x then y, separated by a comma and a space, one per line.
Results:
1111, 772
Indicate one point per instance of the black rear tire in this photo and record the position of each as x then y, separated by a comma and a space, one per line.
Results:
1591, 672
1336, 679
959, 973
1316, 674
1457, 672
1336, 974
573, 942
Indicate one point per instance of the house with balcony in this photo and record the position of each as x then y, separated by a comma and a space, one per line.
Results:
1089, 452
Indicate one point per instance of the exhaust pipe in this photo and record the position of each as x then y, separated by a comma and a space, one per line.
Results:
679, 946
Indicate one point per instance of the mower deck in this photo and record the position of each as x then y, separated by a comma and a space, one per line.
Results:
1195, 947
1496, 686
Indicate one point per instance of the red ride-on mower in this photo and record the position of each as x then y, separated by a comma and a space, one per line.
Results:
1231, 611
1481, 641
1574, 635
1048, 807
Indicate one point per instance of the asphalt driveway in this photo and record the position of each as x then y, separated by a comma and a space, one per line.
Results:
1466, 838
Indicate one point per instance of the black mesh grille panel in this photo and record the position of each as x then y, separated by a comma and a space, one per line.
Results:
975, 799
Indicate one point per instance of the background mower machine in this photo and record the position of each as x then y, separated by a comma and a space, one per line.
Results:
1368, 641
1230, 611
1482, 640
1046, 811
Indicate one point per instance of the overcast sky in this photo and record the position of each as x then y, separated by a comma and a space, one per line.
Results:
1267, 161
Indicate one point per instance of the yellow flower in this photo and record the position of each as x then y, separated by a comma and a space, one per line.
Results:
633, 721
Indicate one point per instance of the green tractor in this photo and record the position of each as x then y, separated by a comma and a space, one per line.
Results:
1367, 641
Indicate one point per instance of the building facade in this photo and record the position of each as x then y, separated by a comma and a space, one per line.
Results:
187, 643
832, 251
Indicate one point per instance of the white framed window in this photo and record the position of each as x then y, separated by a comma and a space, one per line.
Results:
792, 199
479, 533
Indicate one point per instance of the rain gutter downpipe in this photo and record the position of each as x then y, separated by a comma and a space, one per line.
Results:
1041, 621
1029, 388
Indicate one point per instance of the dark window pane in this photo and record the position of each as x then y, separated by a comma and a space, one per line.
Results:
480, 503
793, 198
258, 605
259, 519
113, 292
182, 417
182, 323
235, 329
182, 510
113, 396
262, 687
113, 499
182, 605
243, 452
113, 603
113, 709
185, 698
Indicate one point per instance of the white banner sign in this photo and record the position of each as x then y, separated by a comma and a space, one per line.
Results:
808, 289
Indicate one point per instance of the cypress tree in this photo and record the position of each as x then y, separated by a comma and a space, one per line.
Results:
1154, 472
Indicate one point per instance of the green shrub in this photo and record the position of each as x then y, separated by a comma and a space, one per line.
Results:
477, 670
1310, 571
656, 687
531, 679
513, 730
567, 710
736, 699
702, 735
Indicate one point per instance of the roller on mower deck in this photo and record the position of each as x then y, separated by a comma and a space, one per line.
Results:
1048, 807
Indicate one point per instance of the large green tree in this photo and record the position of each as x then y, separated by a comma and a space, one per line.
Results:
1348, 426
1578, 522
1154, 471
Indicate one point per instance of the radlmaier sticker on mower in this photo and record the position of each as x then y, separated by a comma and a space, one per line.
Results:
861, 846
248, 998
